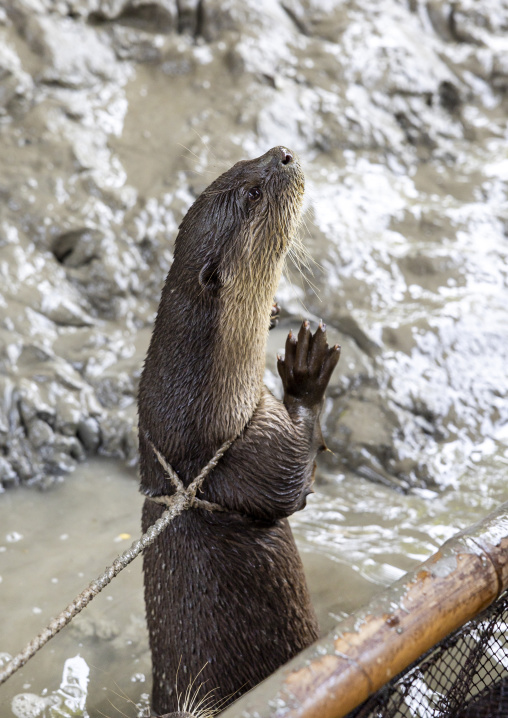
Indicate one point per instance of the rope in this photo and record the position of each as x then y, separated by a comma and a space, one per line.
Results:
196, 483
179, 502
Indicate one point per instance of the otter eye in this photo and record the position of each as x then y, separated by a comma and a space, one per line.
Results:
254, 194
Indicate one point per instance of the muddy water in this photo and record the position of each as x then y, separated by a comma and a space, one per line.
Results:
113, 117
354, 538
48, 556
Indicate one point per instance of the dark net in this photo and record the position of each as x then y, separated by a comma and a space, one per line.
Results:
464, 676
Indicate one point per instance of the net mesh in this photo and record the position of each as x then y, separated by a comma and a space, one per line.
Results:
464, 676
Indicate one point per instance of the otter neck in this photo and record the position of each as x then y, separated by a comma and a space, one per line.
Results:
209, 358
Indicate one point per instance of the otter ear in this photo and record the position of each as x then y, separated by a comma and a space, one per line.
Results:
209, 277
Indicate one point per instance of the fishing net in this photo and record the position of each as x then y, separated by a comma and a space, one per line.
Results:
464, 676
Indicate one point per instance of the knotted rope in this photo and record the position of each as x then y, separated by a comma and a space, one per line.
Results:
194, 486
180, 501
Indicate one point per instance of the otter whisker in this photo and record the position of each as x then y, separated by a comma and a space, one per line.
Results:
188, 703
288, 276
303, 276
302, 249
219, 705
117, 709
309, 212
304, 218
205, 704
302, 254
194, 172
189, 151
123, 696
125, 147
197, 159
216, 193
303, 270
300, 258
210, 149
178, 695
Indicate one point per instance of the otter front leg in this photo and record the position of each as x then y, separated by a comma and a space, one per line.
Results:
283, 438
306, 369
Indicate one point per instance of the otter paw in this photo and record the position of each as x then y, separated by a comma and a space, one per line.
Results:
307, 365
274, 315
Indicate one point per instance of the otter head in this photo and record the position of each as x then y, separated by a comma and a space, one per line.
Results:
238, 231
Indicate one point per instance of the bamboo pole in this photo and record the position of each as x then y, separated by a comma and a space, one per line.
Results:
363, 652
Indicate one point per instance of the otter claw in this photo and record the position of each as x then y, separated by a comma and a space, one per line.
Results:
274, 315
307, 365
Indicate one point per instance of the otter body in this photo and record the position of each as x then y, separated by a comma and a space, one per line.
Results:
225, 591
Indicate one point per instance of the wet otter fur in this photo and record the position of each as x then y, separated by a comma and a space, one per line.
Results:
225, 592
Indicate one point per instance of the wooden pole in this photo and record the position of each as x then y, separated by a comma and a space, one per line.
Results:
363, 652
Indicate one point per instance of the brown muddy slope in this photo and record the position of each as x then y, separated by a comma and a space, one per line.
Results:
114, 115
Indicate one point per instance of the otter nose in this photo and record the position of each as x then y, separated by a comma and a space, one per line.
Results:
278, 158
285, 156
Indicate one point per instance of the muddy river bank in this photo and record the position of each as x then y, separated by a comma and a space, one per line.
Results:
113, 117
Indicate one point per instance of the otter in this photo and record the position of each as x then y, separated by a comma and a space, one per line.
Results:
225, 592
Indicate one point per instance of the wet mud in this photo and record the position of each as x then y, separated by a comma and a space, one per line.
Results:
115, 115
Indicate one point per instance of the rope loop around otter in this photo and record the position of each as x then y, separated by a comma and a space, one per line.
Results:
195, 485
180, 501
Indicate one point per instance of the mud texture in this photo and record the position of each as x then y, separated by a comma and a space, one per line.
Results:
115, 114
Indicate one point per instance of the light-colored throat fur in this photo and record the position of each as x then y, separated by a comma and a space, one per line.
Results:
241, 343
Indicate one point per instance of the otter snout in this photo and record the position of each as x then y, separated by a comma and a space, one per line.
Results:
280, 156
287, 156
